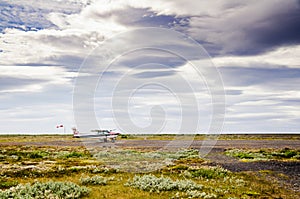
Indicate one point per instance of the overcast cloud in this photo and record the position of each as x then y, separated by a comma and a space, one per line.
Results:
255, 45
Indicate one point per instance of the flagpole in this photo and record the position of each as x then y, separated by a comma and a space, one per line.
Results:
61, 126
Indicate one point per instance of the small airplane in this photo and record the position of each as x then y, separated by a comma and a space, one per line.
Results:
104, 135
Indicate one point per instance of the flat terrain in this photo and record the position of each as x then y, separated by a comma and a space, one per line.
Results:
285, 172
231, 141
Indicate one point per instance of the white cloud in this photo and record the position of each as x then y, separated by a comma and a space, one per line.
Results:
77, 34
58, 5
46, 46
287, 56
36, 119
46, 75
36, 65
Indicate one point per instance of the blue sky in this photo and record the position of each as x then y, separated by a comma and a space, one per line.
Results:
254, 45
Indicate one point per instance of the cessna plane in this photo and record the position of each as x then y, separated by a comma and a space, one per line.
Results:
104, 135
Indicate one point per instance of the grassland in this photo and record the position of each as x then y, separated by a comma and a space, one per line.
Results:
114, 172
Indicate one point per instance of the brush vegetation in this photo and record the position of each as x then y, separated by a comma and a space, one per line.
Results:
75, 172
286, 154
47, 190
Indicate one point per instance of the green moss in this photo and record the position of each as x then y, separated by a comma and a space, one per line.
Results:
265, 154
7, 184
210, 172
37, 154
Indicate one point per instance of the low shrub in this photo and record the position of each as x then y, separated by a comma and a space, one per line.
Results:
210, 172
241, 154
263, 154
137, 161
199, 194
188, 153
286, 153
72, 154
7, 184
95, 180
37, 154
152, 183
48, 190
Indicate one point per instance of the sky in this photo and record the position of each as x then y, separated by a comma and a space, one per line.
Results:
142, 66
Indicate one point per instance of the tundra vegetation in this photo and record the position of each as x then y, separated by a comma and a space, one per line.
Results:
75, 172
265, 154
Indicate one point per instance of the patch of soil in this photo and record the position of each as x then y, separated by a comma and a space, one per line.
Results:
286, 173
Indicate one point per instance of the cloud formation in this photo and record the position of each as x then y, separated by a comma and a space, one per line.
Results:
255, 45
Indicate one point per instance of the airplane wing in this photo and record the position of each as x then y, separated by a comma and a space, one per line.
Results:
90, 135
